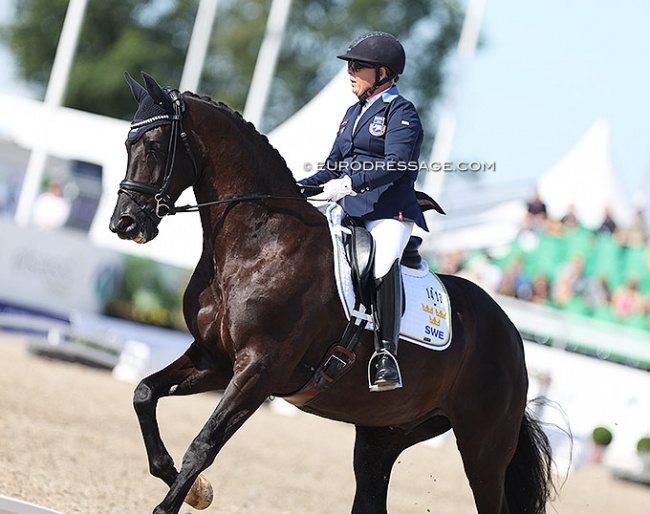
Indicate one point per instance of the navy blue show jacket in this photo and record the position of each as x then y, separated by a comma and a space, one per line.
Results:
381, 158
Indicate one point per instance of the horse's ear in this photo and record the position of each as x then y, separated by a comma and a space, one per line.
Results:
157, 93
138, 91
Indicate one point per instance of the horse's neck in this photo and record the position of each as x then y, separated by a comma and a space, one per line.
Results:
241, 161
229, 227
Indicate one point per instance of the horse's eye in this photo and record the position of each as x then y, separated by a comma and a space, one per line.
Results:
153, 149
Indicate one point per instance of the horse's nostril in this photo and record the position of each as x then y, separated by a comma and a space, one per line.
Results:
123, 224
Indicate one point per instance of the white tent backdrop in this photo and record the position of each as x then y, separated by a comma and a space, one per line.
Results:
585, 177
306, 138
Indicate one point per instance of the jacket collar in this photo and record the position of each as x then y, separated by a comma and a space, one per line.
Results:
385, 98
390, 94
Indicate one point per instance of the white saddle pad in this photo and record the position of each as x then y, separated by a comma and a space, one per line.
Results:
426, 318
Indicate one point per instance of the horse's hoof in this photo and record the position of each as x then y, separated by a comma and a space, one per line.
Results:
200, 495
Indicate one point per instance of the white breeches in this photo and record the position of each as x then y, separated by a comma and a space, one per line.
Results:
391, 237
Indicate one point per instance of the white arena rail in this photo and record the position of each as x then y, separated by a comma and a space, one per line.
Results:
12, 506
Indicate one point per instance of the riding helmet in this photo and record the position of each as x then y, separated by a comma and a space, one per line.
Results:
378, 48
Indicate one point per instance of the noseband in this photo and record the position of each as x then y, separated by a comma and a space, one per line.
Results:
163, 205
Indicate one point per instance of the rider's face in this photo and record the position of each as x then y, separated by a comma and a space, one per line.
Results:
361, 79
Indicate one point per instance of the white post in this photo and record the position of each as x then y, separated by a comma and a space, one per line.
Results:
56, 87
266, 61
198, 47
443, 141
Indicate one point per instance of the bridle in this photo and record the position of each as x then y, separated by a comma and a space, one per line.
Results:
163, 203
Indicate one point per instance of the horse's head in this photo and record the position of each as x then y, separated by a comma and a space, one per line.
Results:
151, 187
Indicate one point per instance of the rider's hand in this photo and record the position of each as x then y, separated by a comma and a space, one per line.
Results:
336, 189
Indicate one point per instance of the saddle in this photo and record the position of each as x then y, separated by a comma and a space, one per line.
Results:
360, 248
360, 251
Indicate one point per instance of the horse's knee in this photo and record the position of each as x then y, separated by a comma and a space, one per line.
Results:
142, 397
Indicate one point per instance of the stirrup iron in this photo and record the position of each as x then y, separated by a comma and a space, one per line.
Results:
385, 387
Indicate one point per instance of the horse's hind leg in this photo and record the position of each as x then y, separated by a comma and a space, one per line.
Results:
189, 374
375, 451
486, 452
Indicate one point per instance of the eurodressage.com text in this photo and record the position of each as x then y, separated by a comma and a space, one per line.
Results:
402, 166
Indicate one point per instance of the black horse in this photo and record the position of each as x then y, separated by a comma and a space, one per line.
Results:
263, 309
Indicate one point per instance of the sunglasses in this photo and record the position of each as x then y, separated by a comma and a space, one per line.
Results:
357, 65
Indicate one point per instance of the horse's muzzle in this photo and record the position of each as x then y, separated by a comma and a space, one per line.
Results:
127, 227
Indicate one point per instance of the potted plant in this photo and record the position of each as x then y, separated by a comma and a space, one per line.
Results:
601, 437
643, 449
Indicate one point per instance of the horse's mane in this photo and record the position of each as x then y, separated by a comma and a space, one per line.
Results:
246, 125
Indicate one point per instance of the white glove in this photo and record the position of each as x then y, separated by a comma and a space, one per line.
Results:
336, 189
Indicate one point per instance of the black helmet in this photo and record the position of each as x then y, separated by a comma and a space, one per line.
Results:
378, 48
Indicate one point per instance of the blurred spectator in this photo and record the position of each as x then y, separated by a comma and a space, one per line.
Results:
451, 263
637, 233
541, 290
514, 282
570, 281
599, 297
627, 300
554, 227
536, 215
608, 226
50, 210
482, 270
570, 220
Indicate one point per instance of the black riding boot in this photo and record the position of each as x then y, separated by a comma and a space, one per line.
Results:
388, 314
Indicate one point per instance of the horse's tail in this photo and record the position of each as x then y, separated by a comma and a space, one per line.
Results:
529, 481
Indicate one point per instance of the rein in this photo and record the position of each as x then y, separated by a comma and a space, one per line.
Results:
164, 207
247, 198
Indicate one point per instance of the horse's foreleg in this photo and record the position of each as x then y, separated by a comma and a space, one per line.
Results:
243, 396
181, 377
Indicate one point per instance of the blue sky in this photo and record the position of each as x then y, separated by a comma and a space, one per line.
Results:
545, 72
